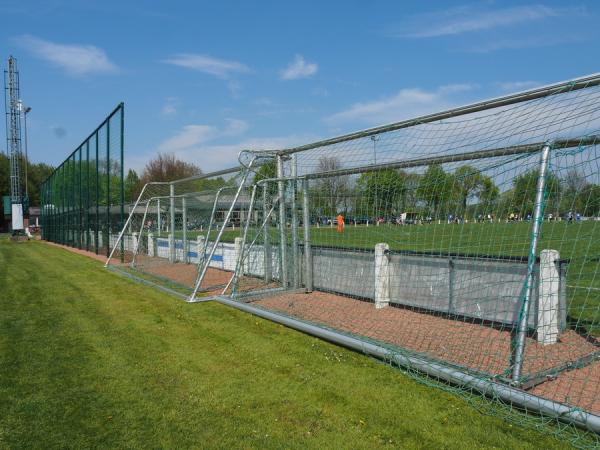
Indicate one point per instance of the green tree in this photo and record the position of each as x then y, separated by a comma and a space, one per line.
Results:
589, 199
436, 188
525, 189
266, 171
132, 186
381, 190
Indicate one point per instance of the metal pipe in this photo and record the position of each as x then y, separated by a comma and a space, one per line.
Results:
283, 272
451, 375
295, 258
239, 264
267, 261
207, 175
172, 222
538, 218
466, 156
137, 243
218, 238
124, 226
211, 221
184, 235
308, 261
564, 86
158, 218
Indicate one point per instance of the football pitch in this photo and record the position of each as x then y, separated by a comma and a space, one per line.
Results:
90, 359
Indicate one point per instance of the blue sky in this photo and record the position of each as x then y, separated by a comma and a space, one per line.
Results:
206, 79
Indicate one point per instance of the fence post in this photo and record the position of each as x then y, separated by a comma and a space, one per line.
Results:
184, 228
200, 247
267, 259
171, 222
538, 217
308, 261
134, 242
283, 275
295, 259
238, 244
548, 298
150, 244
382, 276
158, 218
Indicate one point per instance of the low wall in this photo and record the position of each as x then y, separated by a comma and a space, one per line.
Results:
474, 287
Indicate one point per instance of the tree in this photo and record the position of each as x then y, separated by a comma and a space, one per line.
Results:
589, 199
381, 190
132, 186
436, 188
332, 189
267, 171
488, 194
166, 167
574, 184
525, 189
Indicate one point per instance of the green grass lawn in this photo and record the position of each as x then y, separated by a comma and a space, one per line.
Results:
91, 359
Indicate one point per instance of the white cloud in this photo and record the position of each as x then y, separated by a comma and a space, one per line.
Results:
207, 146
299, 68
170, 107
220, 68
193, 135
466, 19
402, 105
75, 59
515, 86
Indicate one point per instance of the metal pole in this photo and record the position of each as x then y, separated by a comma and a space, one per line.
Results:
25, 111
107, 237
172, 222
308, 262
122, 151
97, 224
509, 394
239, 266
295, 257
184, 228
218, 238
538, 218
126, 224
283, 272
267, 261
87, 202
158, 219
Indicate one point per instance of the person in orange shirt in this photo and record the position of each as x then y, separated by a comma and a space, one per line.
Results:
340, 223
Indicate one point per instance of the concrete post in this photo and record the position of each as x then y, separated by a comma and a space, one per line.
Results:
548, 316
237, 252
100, 240
151, 244
134, 242
171, 240
382, 276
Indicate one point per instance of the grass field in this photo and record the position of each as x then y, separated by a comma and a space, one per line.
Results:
90, 359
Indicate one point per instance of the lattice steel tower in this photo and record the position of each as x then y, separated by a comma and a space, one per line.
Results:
13, 130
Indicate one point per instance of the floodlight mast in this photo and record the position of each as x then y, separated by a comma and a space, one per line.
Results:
13, 106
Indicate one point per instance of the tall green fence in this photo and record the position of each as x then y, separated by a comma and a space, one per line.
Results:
83, 199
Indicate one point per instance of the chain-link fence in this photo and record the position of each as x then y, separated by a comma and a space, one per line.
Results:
83, 199
462, 246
